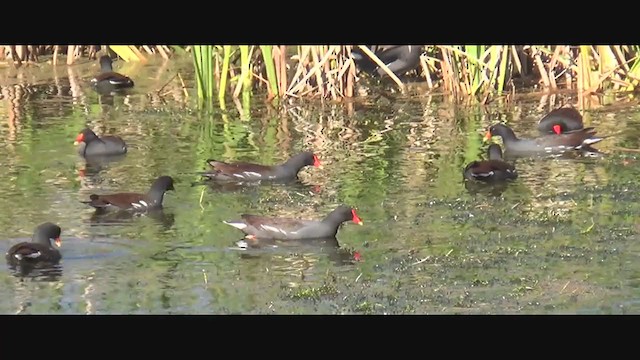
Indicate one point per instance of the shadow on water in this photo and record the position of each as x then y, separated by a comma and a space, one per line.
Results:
37, 272
107, 93
162, 217
480, 188
328, 247
93, 165
241, 186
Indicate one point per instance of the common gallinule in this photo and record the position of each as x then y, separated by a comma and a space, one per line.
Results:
244, 171
93, 146
546, 144
258, 227
398, 58
492, 170
562, 120
109, 79
130, 201
39, 249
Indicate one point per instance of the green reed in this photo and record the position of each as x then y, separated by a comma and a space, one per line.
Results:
272, 78
467, 72
203, 65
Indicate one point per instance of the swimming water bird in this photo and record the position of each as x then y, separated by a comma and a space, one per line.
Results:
91, 145
398, 58
560, 121
245, 171
495, 169
256, 227
39, 249
108, 80
546, 144
131, 201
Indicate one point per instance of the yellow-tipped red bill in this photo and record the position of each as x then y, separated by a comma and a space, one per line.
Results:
487, 136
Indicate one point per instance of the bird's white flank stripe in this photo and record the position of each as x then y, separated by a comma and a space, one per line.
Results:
237, 225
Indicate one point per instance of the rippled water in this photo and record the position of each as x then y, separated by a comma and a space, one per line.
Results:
560, 239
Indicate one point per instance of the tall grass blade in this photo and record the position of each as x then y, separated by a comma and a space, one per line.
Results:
504, 61
584, 70
267, 58
634, 70
494, 56
384, 67
301, 84
475, 51
224, 74
208, 70
197, 64
203, 66
244, 82
607, 63
128, 52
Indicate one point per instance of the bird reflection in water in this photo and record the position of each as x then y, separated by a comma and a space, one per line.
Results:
326, 246
163, 218
240, 186
37, 272
492, 189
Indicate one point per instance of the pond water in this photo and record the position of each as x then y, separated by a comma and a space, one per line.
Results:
562, 238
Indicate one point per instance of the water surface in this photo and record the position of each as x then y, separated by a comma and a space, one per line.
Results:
560, 239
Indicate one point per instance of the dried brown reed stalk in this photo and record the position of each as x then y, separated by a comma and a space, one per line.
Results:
382, 66
328, 72
322, 71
